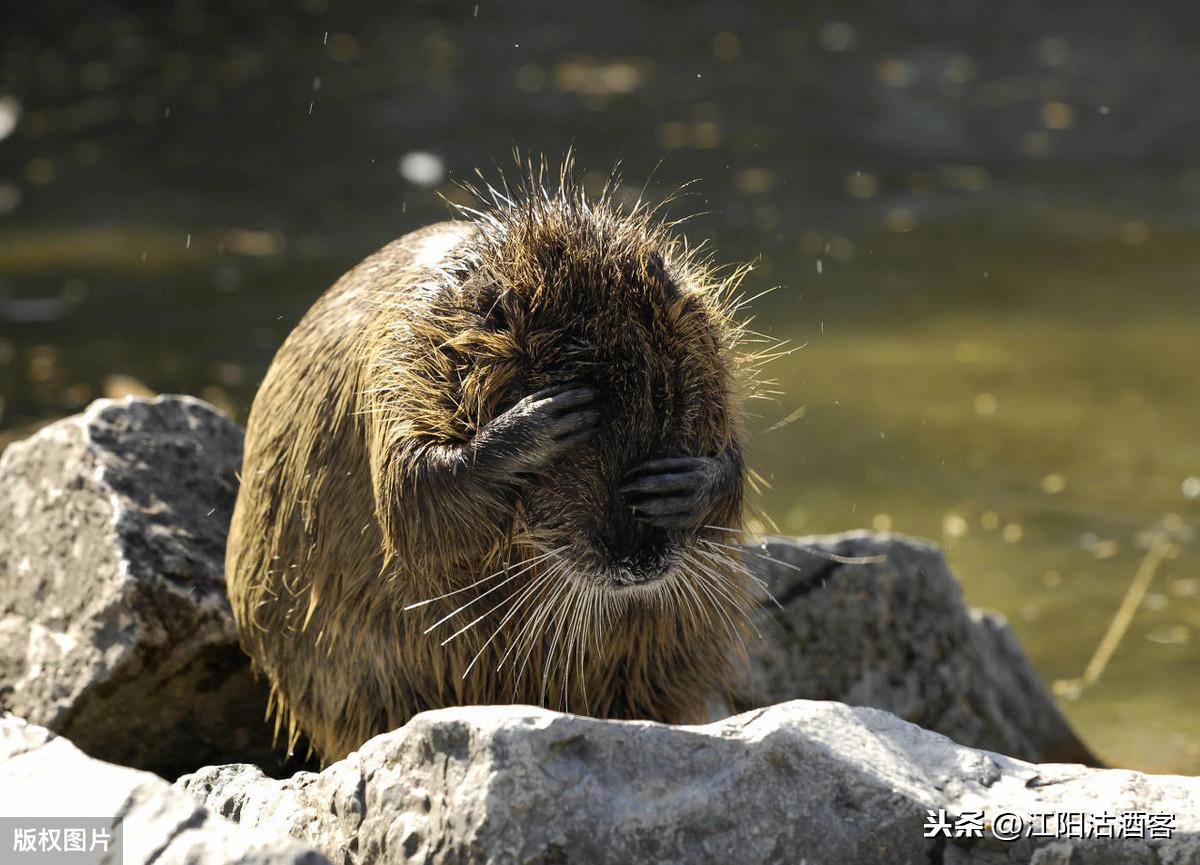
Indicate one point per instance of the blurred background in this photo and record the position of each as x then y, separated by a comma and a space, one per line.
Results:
983, 221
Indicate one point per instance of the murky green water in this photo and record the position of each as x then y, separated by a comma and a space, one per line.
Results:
985, 229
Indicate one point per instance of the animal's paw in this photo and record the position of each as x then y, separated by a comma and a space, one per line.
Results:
674, 492
543, 426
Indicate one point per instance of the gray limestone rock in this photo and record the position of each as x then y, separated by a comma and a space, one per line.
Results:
114, 625
799, 782
43, 778
895, 634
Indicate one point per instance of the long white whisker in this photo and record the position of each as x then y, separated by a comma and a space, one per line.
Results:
585, 638
471, 624
546, 586
542, 622
703, 586
718, 557
682, 601
572, 619
711, 585
520, 597
494, 609
561, 621
542, 610
696, 609
478, 582
811, 550
482, 595
721, 583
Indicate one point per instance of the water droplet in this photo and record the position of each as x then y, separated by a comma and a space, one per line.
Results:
954, 526
10, 113
1055, 483
838, 36
422, 168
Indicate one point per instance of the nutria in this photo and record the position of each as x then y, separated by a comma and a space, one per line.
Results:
498, 461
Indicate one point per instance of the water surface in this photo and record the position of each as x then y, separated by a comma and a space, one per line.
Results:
983, 224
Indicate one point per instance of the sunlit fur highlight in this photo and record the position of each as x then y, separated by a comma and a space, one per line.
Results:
348, 547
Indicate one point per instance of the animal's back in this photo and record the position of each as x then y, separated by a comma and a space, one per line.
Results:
305, 525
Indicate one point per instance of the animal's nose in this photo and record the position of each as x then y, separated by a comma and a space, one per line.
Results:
631, 542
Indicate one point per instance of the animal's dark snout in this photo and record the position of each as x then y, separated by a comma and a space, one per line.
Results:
632, 543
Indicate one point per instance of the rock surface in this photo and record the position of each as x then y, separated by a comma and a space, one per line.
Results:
44, 777
798, 782
112, 589
895, 634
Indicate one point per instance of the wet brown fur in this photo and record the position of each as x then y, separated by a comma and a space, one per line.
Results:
340, 526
